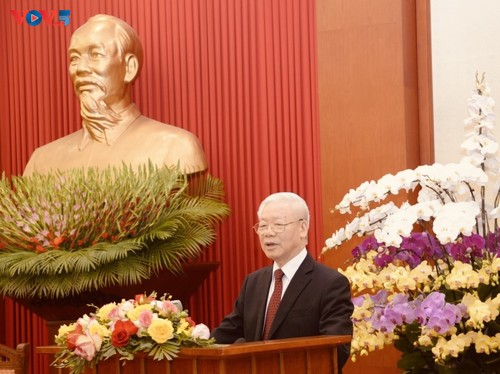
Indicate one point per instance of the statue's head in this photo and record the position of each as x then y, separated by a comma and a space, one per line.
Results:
105, 57
108, 50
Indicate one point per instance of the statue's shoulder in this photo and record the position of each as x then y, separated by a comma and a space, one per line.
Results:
162, 131
166, 144
66, 142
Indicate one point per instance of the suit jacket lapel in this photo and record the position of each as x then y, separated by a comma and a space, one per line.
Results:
299, 281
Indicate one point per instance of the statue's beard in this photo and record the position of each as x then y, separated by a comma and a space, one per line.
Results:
97, 116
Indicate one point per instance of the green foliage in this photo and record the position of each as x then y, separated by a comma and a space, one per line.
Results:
413, 361
167, 350
65, 233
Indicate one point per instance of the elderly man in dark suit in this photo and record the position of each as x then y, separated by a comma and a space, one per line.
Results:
294, 297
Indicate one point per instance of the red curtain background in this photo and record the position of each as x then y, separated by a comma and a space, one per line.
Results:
240, 74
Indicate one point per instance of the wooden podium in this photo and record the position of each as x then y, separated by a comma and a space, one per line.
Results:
310, 355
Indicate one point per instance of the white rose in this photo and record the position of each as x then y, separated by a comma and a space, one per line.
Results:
201, 331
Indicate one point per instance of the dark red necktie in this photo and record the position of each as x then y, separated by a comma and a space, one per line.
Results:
274, 302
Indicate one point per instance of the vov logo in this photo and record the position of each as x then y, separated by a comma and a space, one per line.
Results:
35, 17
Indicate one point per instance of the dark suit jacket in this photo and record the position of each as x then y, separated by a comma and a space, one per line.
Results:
316, 302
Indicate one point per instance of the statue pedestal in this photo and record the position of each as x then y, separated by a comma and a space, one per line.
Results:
67, 310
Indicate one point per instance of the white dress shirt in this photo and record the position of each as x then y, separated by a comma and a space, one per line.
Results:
289, 270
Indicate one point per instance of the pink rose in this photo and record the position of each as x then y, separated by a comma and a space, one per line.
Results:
169, 307
87, 347
114, 314
145, 318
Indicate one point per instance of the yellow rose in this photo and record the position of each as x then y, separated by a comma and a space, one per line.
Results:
133, 314
103, 313
65, 330
161, 330
98, 329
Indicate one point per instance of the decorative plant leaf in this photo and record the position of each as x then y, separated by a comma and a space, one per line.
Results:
65, 233
166, 350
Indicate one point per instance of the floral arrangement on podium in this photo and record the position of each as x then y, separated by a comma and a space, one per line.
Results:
65, 233
155, 326
426, 277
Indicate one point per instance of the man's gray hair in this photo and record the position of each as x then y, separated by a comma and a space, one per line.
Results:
295, 201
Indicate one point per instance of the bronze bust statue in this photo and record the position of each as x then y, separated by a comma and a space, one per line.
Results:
105, 57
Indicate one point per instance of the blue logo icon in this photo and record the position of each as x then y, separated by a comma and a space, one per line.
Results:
64, 16
33, 18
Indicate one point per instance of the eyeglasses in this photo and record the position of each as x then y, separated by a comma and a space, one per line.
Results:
275, 227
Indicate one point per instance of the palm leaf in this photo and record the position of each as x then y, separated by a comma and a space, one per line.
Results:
82, 230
